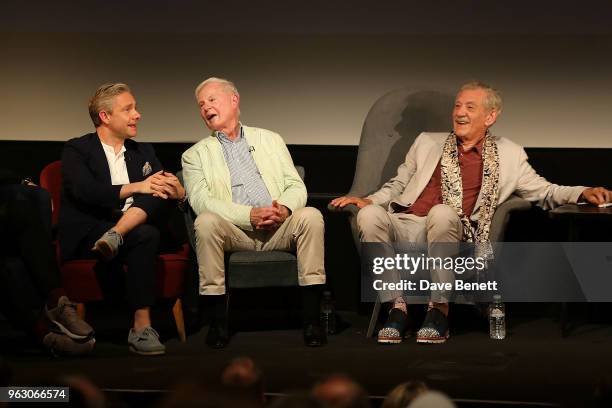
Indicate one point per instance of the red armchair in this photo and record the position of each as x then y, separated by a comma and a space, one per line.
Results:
78, 276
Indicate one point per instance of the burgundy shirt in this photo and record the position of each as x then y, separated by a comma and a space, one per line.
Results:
470, 164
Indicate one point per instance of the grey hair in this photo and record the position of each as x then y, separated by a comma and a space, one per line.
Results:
228, 85
102, 100
493, 100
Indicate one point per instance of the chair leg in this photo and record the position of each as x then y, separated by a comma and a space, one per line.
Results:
227, 302
80, 309
177, 311
373, 318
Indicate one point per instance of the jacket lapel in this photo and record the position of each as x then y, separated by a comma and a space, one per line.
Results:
429, 165
218, 162
134, 162
253, 139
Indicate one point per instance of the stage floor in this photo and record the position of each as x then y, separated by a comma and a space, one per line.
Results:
534, 363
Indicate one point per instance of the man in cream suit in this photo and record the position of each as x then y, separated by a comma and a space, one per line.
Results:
447, 191
247, 195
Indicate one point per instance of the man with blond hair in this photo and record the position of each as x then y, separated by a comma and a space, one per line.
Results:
447, 191
247, 195
113, 193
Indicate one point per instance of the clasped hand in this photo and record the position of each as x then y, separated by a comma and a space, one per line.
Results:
269, 218
164, 185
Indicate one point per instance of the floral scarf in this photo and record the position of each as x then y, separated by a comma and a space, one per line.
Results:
452, 191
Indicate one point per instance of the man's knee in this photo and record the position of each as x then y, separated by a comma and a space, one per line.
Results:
371, 217
145, 233
441, 219
208, 224
310, 217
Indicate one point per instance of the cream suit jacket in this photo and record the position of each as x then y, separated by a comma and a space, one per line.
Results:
208, 182
515, 176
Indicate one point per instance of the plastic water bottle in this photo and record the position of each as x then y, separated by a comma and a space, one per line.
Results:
328, 313
497, 319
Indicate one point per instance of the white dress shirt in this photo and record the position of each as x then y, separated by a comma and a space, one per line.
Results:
118, 170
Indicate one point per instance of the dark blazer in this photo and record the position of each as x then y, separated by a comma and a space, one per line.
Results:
88, 196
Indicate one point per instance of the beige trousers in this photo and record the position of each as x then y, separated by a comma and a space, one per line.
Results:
301, 232
439, 229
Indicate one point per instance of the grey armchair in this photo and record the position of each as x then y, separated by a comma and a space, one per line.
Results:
252, 269
390, 128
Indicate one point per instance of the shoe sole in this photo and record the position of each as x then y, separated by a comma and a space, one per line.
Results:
70, 334
388, 340
57, 353
316, 344
103, 250
432, 340
146, 353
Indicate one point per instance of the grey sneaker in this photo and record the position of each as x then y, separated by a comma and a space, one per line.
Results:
64, 316
108, 244
145, 342
61, 345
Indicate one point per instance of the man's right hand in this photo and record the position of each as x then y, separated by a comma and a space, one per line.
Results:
343, 201
139, 187
146, 185
265, 217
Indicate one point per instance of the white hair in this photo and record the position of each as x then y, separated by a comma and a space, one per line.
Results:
493, 100
228, 85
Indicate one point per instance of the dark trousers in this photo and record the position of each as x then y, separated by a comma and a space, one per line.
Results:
25, 222
138, 252
28, 266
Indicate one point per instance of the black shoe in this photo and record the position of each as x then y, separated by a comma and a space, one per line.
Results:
434, 329
217, 337
314, 335
394, 328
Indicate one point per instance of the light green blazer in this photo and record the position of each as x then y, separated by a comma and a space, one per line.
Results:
208, 182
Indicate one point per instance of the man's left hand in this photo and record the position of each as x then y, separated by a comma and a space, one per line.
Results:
167, 185
283, 212
597, 195
280, 215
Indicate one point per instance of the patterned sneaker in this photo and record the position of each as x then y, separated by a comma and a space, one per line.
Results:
64, 316
145, 342
108, 244
434, 329
61, 345
394, 328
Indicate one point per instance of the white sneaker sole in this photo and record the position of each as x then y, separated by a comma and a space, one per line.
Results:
146, 353
70, 334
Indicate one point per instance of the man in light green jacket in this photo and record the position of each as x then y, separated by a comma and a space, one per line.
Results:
247, 195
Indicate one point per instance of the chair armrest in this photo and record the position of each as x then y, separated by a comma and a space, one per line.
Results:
301, 172
502, 215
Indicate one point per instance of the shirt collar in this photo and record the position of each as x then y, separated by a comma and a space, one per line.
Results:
223, 137
478, 146
111, 150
